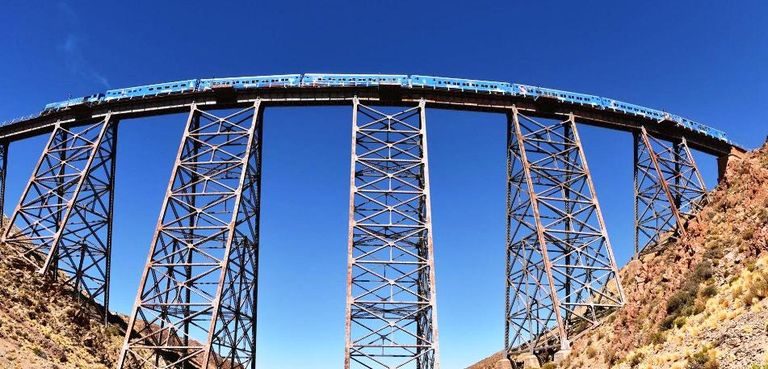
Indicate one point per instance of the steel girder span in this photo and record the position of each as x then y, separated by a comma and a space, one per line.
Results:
197, 301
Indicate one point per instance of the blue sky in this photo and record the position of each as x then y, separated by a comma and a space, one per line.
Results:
704, 60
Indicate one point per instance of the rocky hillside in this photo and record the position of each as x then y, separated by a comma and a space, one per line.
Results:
700, 303
43, 326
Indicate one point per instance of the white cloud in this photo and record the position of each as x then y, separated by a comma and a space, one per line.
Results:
72, 50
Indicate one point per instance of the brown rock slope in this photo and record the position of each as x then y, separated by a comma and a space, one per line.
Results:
43, 325
700, 303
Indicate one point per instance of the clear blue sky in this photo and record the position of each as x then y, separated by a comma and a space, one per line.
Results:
702, 59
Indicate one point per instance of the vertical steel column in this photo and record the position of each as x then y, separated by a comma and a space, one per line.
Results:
561, 272
391, 300
3, 172
668, 189
46, 204
196, 305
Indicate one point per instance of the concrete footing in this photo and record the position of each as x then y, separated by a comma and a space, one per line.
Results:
504, 364
530, 361
561, 355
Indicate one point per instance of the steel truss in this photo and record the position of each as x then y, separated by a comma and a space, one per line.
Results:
63, 222
391, 306
669, 189
561, 272
196, 306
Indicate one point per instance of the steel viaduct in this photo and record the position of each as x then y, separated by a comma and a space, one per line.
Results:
196, 304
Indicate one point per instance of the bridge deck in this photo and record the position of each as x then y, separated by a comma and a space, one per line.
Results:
303, 96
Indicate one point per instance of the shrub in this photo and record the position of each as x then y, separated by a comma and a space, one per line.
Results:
657, 338
591, 352
682, 303
113, 330
709, 291
703, 359
698, 308
748, 234
635, 359
611, 357
763, 215
703, 271
751, 266
755, 287
667, 323
39, 352
679, 321
679, 301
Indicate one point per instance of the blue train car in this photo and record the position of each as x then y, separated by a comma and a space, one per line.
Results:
516, 89
719, 134
460, 84
699, 127
281, 80
63, 104
564, 96
353, 80
709, 131
634, 109
687, 123
677, 119
527, 90
152, 90
95, 98
73, 102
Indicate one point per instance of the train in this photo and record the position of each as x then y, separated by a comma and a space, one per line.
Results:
317, 80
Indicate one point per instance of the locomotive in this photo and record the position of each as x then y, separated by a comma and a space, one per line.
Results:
310, 80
